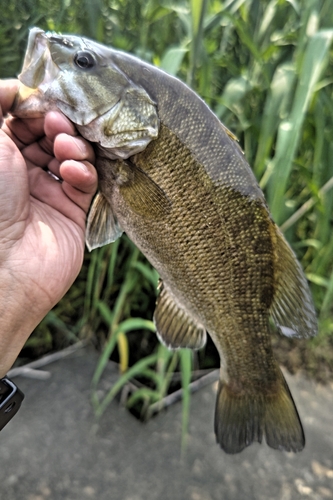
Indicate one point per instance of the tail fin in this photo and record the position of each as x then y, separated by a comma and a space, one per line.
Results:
243, 419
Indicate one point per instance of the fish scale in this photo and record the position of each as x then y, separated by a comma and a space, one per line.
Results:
176, 181
206, 277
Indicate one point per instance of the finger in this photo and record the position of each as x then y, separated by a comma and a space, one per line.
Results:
54, 167
73, 196
80, 175
73, 174
59, 130
67, 147
36, 155
24, 132
48, 191
79, 182
57, 123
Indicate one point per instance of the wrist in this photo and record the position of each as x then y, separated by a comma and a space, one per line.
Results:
19, 317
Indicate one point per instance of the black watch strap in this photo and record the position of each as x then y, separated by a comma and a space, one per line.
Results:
10, 400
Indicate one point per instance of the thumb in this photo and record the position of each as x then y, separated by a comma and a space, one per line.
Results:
8, 91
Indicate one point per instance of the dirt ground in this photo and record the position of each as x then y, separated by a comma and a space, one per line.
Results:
54, 449
314, 361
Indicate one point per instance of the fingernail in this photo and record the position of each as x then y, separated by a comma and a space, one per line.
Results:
80, 145
82, 167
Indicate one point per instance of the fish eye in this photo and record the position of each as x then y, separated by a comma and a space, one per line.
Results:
84, 59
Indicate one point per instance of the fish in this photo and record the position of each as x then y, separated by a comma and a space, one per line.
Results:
175, 180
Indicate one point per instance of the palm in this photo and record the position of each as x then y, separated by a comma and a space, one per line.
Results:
51, 247
47, 227
42, 221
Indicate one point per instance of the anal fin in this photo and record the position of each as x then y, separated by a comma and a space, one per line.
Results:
175, 328
292, 310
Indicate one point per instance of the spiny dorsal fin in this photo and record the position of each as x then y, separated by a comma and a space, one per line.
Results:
102, 227
175, 328
292, 310
229, 133
142, 194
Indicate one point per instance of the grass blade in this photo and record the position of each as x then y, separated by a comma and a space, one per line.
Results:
289, 130
186, 371
132, 372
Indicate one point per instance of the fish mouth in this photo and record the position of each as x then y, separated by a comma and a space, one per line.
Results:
38, 72
39, 68
44, 50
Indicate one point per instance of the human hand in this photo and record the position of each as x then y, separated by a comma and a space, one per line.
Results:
42, 221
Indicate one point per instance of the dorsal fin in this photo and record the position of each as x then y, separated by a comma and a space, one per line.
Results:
175, 328
292, 310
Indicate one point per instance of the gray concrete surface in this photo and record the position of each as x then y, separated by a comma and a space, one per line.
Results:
54, 449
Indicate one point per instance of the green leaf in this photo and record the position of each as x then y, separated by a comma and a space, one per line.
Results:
172, 60
279, 96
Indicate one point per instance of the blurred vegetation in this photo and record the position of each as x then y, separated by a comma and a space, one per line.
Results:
265, 68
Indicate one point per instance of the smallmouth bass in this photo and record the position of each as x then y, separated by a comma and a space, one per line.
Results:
175, 180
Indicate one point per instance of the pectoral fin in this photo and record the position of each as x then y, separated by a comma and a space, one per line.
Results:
102, 227
142, 194
175, 328
292, 310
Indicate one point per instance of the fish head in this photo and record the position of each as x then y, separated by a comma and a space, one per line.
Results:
78, 77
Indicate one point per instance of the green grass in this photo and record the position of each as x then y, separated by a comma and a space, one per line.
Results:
265, 68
